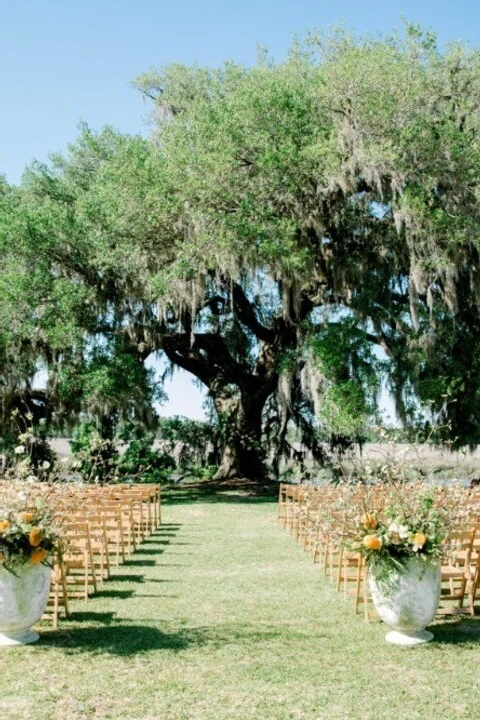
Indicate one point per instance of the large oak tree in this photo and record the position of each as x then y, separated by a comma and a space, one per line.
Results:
282, 222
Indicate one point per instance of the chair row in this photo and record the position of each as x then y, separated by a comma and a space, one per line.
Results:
101, 528
311, 514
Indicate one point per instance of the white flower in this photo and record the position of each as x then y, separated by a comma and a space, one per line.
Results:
31, 479
65, 460
45, 465
19, 450
401, 530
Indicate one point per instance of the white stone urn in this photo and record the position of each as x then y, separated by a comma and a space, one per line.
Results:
407, 600
23, 599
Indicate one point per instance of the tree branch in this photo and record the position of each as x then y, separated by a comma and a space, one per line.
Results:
246, 314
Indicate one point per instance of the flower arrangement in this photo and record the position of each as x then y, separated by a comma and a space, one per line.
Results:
411, 525
28, 528
389, 524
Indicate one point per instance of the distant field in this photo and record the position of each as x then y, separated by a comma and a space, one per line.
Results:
61, 446
463, 464
460, 464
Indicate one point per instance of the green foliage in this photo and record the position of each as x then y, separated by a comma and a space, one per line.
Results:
109, 377
351, 378
103, 459
24, 438
139, 461
193, 442
95, 456
328, 200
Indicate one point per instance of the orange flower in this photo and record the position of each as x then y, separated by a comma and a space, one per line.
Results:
372, 542
4, 525
38, 556
26, 517
369, 521
419, 539
35, 536
2, 557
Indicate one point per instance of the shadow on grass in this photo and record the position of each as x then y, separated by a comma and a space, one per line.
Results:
127, 640
120, 594
160, 537
156, 596
128, 578
161, 542
209, 491
106, 618
147, 551
113, 639
162, 580
458, 631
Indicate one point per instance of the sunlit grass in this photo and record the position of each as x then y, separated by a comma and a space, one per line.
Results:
221, 616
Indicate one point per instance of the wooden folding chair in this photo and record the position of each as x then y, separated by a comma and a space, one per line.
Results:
115, 536
456, 573
58, 598
293, 497
282, 502
350, 570
78, 560
157, 500
99, 542
142, 510
132, 518
473, 589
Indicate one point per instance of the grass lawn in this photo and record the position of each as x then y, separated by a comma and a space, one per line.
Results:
221, 616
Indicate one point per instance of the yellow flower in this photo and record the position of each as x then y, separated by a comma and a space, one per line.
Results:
35, 536
4, 525
419, 539
2, 557
26, 517
38, 556
369, 521
372, 542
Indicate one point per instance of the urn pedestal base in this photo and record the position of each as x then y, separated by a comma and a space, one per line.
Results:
18, 638
398, 638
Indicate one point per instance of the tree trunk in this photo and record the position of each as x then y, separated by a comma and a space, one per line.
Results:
239, 385
241, 420
107, 456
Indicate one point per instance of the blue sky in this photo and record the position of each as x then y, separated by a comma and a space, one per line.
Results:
62, 61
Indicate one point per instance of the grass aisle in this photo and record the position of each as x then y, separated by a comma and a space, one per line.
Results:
220, 616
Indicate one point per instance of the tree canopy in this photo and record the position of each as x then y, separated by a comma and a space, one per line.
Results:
283, 223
